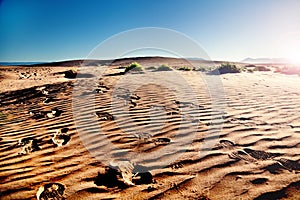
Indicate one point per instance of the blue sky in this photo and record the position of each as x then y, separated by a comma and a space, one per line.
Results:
42, 30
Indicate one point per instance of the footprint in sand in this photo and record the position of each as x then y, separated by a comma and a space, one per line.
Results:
246, 154
172, 111
183, 104
101, 88
28, 145
251, 155
125, 168
123, 173
104, 116
127, 97
36, 115
133, 100
143, 136
49, 100
51, 191
261, 155
55, 112
177, 165
24, 75
161, 141
133, 103
147, 137
61, 138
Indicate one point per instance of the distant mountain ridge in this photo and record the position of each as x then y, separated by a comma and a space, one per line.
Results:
195, 59
94, 62
264, 60
79, 62
19, 63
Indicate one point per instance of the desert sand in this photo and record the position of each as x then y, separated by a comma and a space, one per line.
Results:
254, 156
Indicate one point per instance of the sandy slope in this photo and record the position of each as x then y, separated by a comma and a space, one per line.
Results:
261, 116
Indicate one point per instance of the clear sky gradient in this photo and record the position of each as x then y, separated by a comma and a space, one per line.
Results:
51, 30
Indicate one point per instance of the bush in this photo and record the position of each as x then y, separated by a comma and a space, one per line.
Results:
225, 68
261, 69
164, 68
185, 68
205, 69
151, 68
202, 69
133, 67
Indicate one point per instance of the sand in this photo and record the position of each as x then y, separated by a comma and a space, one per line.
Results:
254, 156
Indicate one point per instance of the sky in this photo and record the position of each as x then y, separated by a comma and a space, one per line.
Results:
231, 30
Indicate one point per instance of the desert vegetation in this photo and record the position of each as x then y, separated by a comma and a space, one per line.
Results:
184, 68
261, 69
135, 66
164, 67
153, 68
225, 68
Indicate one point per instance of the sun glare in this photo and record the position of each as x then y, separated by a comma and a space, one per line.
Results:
290, 48
293, 55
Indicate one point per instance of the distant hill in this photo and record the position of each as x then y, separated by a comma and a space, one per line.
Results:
18, 63
147, 60
66, 63
195, 59
264, 60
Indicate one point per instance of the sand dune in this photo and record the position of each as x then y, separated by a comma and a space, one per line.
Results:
255, 155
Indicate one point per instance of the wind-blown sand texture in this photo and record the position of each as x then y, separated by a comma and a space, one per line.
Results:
255, 157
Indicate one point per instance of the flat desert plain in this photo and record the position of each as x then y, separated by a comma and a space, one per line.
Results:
167, 134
